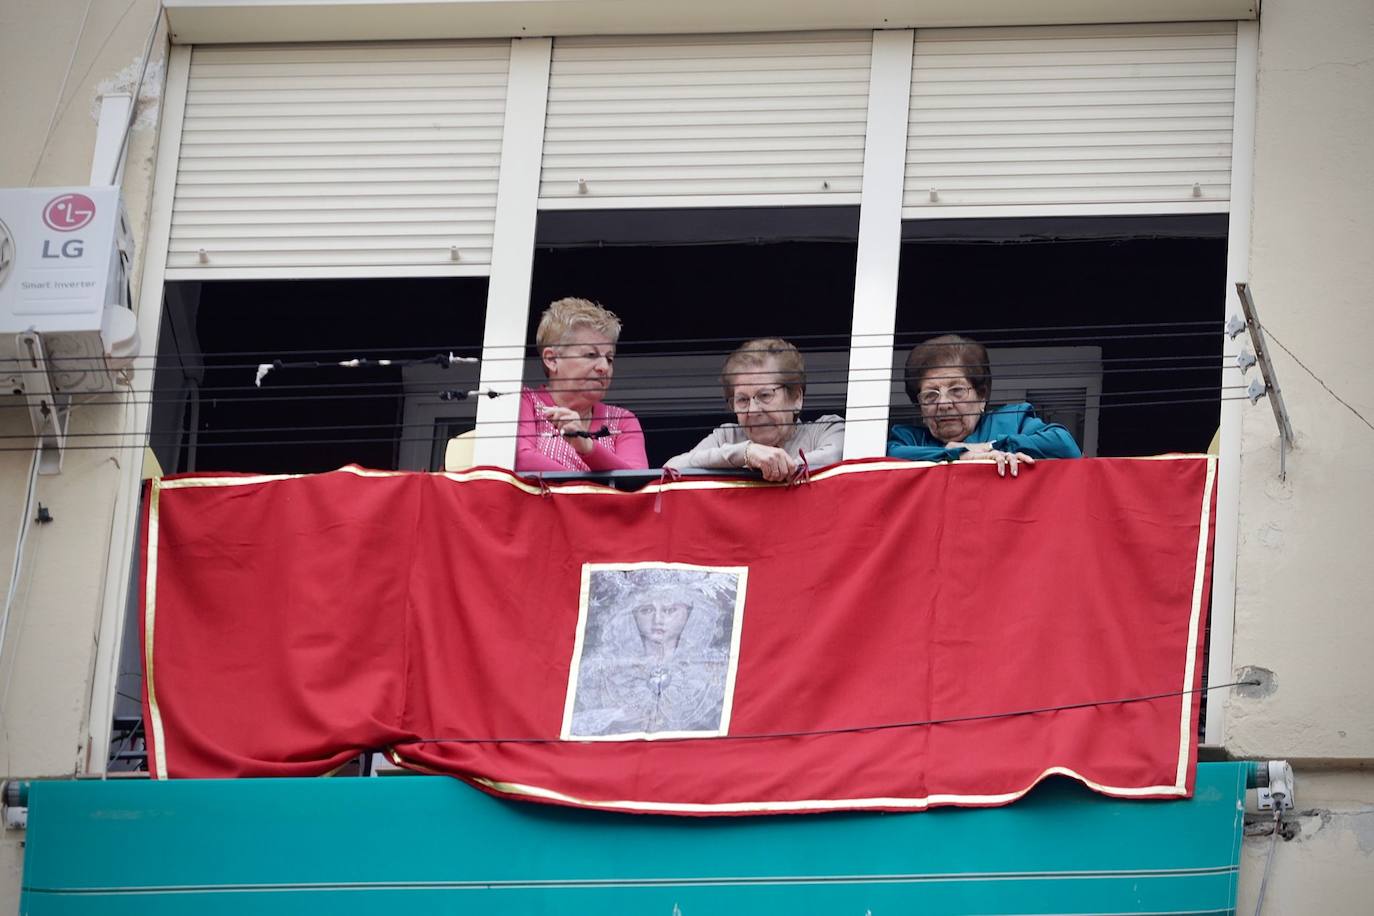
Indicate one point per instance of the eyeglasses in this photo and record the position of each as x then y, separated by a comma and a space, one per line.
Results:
929, 397
764, 397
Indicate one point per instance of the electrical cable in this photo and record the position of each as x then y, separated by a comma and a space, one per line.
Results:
26, 521
1216, 326
842, 343
57, 107
1269, 860
1048, 402
154, 441
1318, 379
886, 726
640, 404
1006, 371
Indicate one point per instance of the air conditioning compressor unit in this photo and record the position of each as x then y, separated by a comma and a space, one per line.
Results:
66, 326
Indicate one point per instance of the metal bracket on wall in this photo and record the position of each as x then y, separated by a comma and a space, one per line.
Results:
1268, 383
1275, 789
47, 415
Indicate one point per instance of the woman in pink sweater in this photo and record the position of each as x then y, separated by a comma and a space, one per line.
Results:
564, 426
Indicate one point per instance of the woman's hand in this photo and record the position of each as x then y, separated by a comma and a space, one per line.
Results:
775, 464
568, 422
983, 451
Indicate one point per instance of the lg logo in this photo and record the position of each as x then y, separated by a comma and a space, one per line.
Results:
68, 212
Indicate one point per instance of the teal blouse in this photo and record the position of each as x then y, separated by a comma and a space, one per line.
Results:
1011, 428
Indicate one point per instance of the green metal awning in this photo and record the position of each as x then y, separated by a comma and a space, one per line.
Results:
347, 846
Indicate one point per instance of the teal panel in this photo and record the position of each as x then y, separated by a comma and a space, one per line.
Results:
348, 846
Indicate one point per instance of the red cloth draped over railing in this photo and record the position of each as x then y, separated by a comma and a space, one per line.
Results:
724, 647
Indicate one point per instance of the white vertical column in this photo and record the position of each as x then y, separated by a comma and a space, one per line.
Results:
108, 158
137, 412
512, 250
1227, 535
880, 245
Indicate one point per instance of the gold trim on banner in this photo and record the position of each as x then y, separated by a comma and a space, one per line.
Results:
511, 478
813, 804
149, 619
1194, 624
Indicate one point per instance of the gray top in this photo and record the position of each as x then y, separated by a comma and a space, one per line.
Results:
822, 440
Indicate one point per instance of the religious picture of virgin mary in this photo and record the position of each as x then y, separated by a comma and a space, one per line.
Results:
656, 651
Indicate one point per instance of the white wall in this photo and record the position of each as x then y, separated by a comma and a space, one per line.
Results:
1305, 583
45, 672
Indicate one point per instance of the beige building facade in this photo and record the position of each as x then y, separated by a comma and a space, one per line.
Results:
1293, 576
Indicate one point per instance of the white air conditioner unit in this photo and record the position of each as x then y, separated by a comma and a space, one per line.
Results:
65, 321
64, 266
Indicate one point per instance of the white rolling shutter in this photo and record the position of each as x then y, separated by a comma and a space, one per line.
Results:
339, 160
1128, 117
732, 120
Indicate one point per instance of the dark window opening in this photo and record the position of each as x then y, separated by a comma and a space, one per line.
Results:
209, 415
1040, 293
690, 286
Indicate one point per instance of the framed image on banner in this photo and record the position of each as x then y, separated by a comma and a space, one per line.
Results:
656, 651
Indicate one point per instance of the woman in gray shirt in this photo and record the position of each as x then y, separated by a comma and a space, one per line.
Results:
765, 381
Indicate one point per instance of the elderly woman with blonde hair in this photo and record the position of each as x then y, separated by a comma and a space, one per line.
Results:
765, 383
565, 425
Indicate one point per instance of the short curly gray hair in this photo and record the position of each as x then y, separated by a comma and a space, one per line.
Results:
755, 354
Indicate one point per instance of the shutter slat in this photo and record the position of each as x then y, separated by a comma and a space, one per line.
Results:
799, 117
336, 160
481, 125
341, 219
489, 87
305, 241
337, 189
1053, 196
706, 116
362, 107
340, 156
754, 184
456, 151
752, 130
1053, 116
1100, 102
347, 54
1030, 57
1172, 153
439, 178
417, 201
345, 261
1136, 168
996, 144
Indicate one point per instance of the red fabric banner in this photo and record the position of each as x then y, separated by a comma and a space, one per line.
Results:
878, 638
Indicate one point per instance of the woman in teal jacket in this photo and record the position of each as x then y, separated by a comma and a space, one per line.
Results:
948, 379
